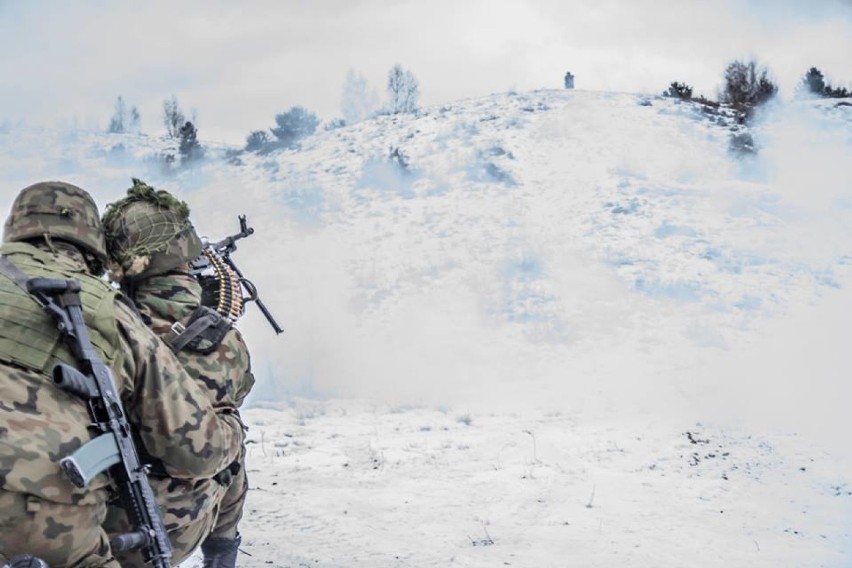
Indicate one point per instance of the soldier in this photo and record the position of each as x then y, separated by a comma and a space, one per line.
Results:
54, 230
151, 241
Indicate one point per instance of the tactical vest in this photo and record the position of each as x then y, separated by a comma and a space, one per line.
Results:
28, 336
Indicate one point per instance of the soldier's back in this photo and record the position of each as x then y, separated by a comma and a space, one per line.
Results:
40, 510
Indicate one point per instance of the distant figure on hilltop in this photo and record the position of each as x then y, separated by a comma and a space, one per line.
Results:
569, 80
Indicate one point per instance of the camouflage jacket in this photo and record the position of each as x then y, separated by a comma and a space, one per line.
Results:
226, 372
39, 423
225, 375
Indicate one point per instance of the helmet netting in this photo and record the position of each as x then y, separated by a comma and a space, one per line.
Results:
142, 224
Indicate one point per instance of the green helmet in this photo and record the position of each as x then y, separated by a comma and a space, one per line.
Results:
148, 233
58, 210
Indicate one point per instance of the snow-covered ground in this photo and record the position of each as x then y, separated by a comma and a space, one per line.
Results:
559, 328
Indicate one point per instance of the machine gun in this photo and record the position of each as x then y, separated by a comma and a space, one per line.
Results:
222, 282
113, 449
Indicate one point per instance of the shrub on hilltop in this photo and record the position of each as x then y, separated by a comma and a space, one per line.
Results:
188, 146
814, 83
290, 128
258, 141
747, 85
680, 91
293, 125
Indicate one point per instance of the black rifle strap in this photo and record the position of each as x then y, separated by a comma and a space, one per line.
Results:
199, 321
16, 275
13, 273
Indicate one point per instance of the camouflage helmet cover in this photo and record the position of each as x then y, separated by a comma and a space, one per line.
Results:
148, 233
58, 210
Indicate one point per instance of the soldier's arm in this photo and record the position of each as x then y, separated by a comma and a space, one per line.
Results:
245, 378
225, 373
175, 419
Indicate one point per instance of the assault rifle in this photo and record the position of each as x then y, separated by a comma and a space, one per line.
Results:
205, 264
112, 450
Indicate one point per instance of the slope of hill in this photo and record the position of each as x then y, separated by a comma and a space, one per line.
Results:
549, 328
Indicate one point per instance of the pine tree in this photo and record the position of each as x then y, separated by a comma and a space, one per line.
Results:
814, 82
189, 148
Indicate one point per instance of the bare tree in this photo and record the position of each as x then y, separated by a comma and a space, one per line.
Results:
118, 122
173, 117
357, 102
124, 120
135, 121
403, 90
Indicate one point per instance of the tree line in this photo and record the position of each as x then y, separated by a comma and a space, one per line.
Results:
748, 84
358, 103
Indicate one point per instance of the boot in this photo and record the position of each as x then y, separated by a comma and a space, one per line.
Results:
220, 552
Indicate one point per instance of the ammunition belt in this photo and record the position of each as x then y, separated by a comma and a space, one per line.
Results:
230, 298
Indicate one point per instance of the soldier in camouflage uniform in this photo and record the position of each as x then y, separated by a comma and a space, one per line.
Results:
54, 230
150, 241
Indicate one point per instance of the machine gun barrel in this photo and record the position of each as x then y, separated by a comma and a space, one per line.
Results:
228, 245
253, 297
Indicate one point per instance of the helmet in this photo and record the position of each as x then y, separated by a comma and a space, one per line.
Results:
148, 233
58, 210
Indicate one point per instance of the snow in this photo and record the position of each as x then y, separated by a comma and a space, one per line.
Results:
375, 485
575, 330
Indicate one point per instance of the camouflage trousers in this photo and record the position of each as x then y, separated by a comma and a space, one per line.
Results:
189, 509
62, 535
231, 509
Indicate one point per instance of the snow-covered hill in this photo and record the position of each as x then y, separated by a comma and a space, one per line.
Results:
553, 328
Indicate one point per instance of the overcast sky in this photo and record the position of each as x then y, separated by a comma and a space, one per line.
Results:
237, 64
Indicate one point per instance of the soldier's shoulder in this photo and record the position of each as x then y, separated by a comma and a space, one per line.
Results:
235, 339
128, 317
